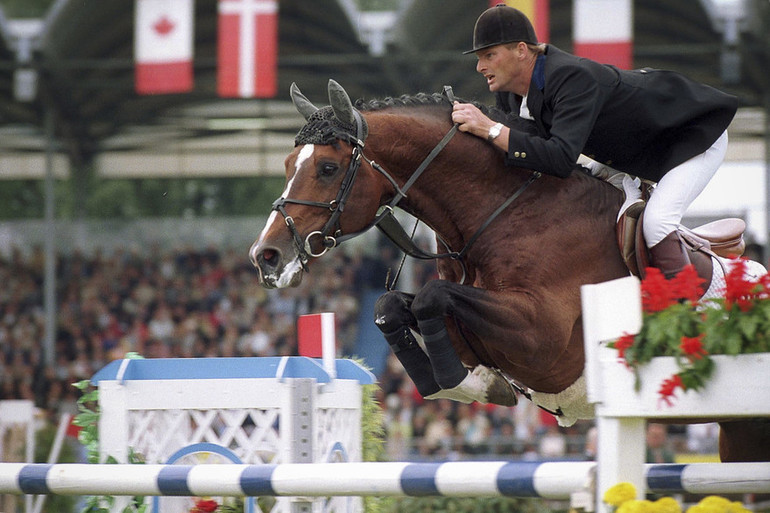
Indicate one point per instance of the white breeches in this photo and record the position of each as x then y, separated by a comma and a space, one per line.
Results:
678, 189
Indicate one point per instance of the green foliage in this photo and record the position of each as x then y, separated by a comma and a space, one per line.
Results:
100, 198
22, 199
88, 420
26, 8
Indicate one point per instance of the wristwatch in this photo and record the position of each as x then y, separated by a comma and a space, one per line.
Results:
494, 131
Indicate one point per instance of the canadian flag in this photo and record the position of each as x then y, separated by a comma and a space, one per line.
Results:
163, 46
248, 48
603, 31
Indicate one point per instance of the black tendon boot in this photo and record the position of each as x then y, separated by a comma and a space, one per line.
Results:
447, 367
414, 360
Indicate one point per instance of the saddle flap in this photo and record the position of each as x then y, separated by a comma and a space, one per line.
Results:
626, 230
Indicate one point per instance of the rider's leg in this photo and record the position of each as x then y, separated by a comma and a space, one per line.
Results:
672, 196
392, 315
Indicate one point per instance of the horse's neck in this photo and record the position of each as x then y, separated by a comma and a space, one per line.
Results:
454, 194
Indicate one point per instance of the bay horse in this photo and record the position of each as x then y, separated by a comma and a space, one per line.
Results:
504, 316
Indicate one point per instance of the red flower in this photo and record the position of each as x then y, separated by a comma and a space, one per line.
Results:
668, 387
739, 290
657, 293
688, 285
204, 506
693, 347
624, 343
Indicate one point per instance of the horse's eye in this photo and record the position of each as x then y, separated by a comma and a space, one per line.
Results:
327, 168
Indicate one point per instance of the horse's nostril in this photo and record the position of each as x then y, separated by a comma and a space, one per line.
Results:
269, 257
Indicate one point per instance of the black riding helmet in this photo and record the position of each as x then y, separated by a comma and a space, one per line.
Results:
502, 24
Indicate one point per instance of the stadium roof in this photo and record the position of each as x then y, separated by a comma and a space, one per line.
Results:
84, 62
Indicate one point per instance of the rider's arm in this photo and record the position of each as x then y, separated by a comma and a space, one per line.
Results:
576, 98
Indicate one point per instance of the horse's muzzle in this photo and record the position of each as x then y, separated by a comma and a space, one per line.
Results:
274, 270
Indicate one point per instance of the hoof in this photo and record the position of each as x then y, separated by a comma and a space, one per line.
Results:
499, 389
484, 385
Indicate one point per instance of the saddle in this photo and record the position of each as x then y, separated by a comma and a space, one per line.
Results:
721, 238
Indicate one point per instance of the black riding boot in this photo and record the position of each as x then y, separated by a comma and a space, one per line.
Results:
670, 255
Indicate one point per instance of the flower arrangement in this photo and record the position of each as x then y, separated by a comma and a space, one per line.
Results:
622, 498
678, 323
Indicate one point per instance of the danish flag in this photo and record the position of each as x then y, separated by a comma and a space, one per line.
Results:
248, 48
163, 46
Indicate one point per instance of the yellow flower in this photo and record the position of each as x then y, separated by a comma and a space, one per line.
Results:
620, 493
667, 505
716, 504
636, 506
738, 507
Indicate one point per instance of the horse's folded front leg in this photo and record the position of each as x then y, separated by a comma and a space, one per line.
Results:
430, 307
393, 316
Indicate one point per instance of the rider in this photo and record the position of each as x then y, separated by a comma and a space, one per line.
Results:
653, 124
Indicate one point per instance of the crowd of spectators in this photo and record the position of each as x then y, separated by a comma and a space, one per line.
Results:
208, 303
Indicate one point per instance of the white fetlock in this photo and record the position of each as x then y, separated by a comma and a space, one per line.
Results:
470, 389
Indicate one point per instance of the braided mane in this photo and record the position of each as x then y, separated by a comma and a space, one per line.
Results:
417, 100
324, 128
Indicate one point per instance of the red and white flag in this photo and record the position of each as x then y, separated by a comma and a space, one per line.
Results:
163, 46
603, 31
248, 48
316, 338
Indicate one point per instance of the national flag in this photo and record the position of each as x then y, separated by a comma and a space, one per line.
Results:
248, 48
163, 46
538, 12
603, 31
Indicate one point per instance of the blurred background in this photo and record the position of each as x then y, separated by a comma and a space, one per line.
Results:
127, 206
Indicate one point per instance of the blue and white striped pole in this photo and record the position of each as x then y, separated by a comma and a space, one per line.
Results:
551, 480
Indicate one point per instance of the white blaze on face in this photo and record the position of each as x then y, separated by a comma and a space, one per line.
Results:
305, 153
293, 266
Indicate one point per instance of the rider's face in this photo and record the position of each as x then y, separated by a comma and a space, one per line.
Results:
502, 67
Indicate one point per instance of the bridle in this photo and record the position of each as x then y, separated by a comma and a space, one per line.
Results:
331, 233
385, 220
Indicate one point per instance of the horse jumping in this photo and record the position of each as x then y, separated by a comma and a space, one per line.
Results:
505, 314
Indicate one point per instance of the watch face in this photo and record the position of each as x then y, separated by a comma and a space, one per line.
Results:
494, 131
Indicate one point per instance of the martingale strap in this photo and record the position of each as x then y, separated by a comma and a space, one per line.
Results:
389, 225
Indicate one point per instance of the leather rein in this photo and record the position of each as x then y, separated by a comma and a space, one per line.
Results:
385, 220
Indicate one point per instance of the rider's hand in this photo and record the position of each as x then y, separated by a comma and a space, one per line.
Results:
470, 119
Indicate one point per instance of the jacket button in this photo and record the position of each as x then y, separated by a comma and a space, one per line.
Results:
516, 154
523, 155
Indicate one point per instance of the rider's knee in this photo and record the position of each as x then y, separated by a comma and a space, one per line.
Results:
431, 301
391, 311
